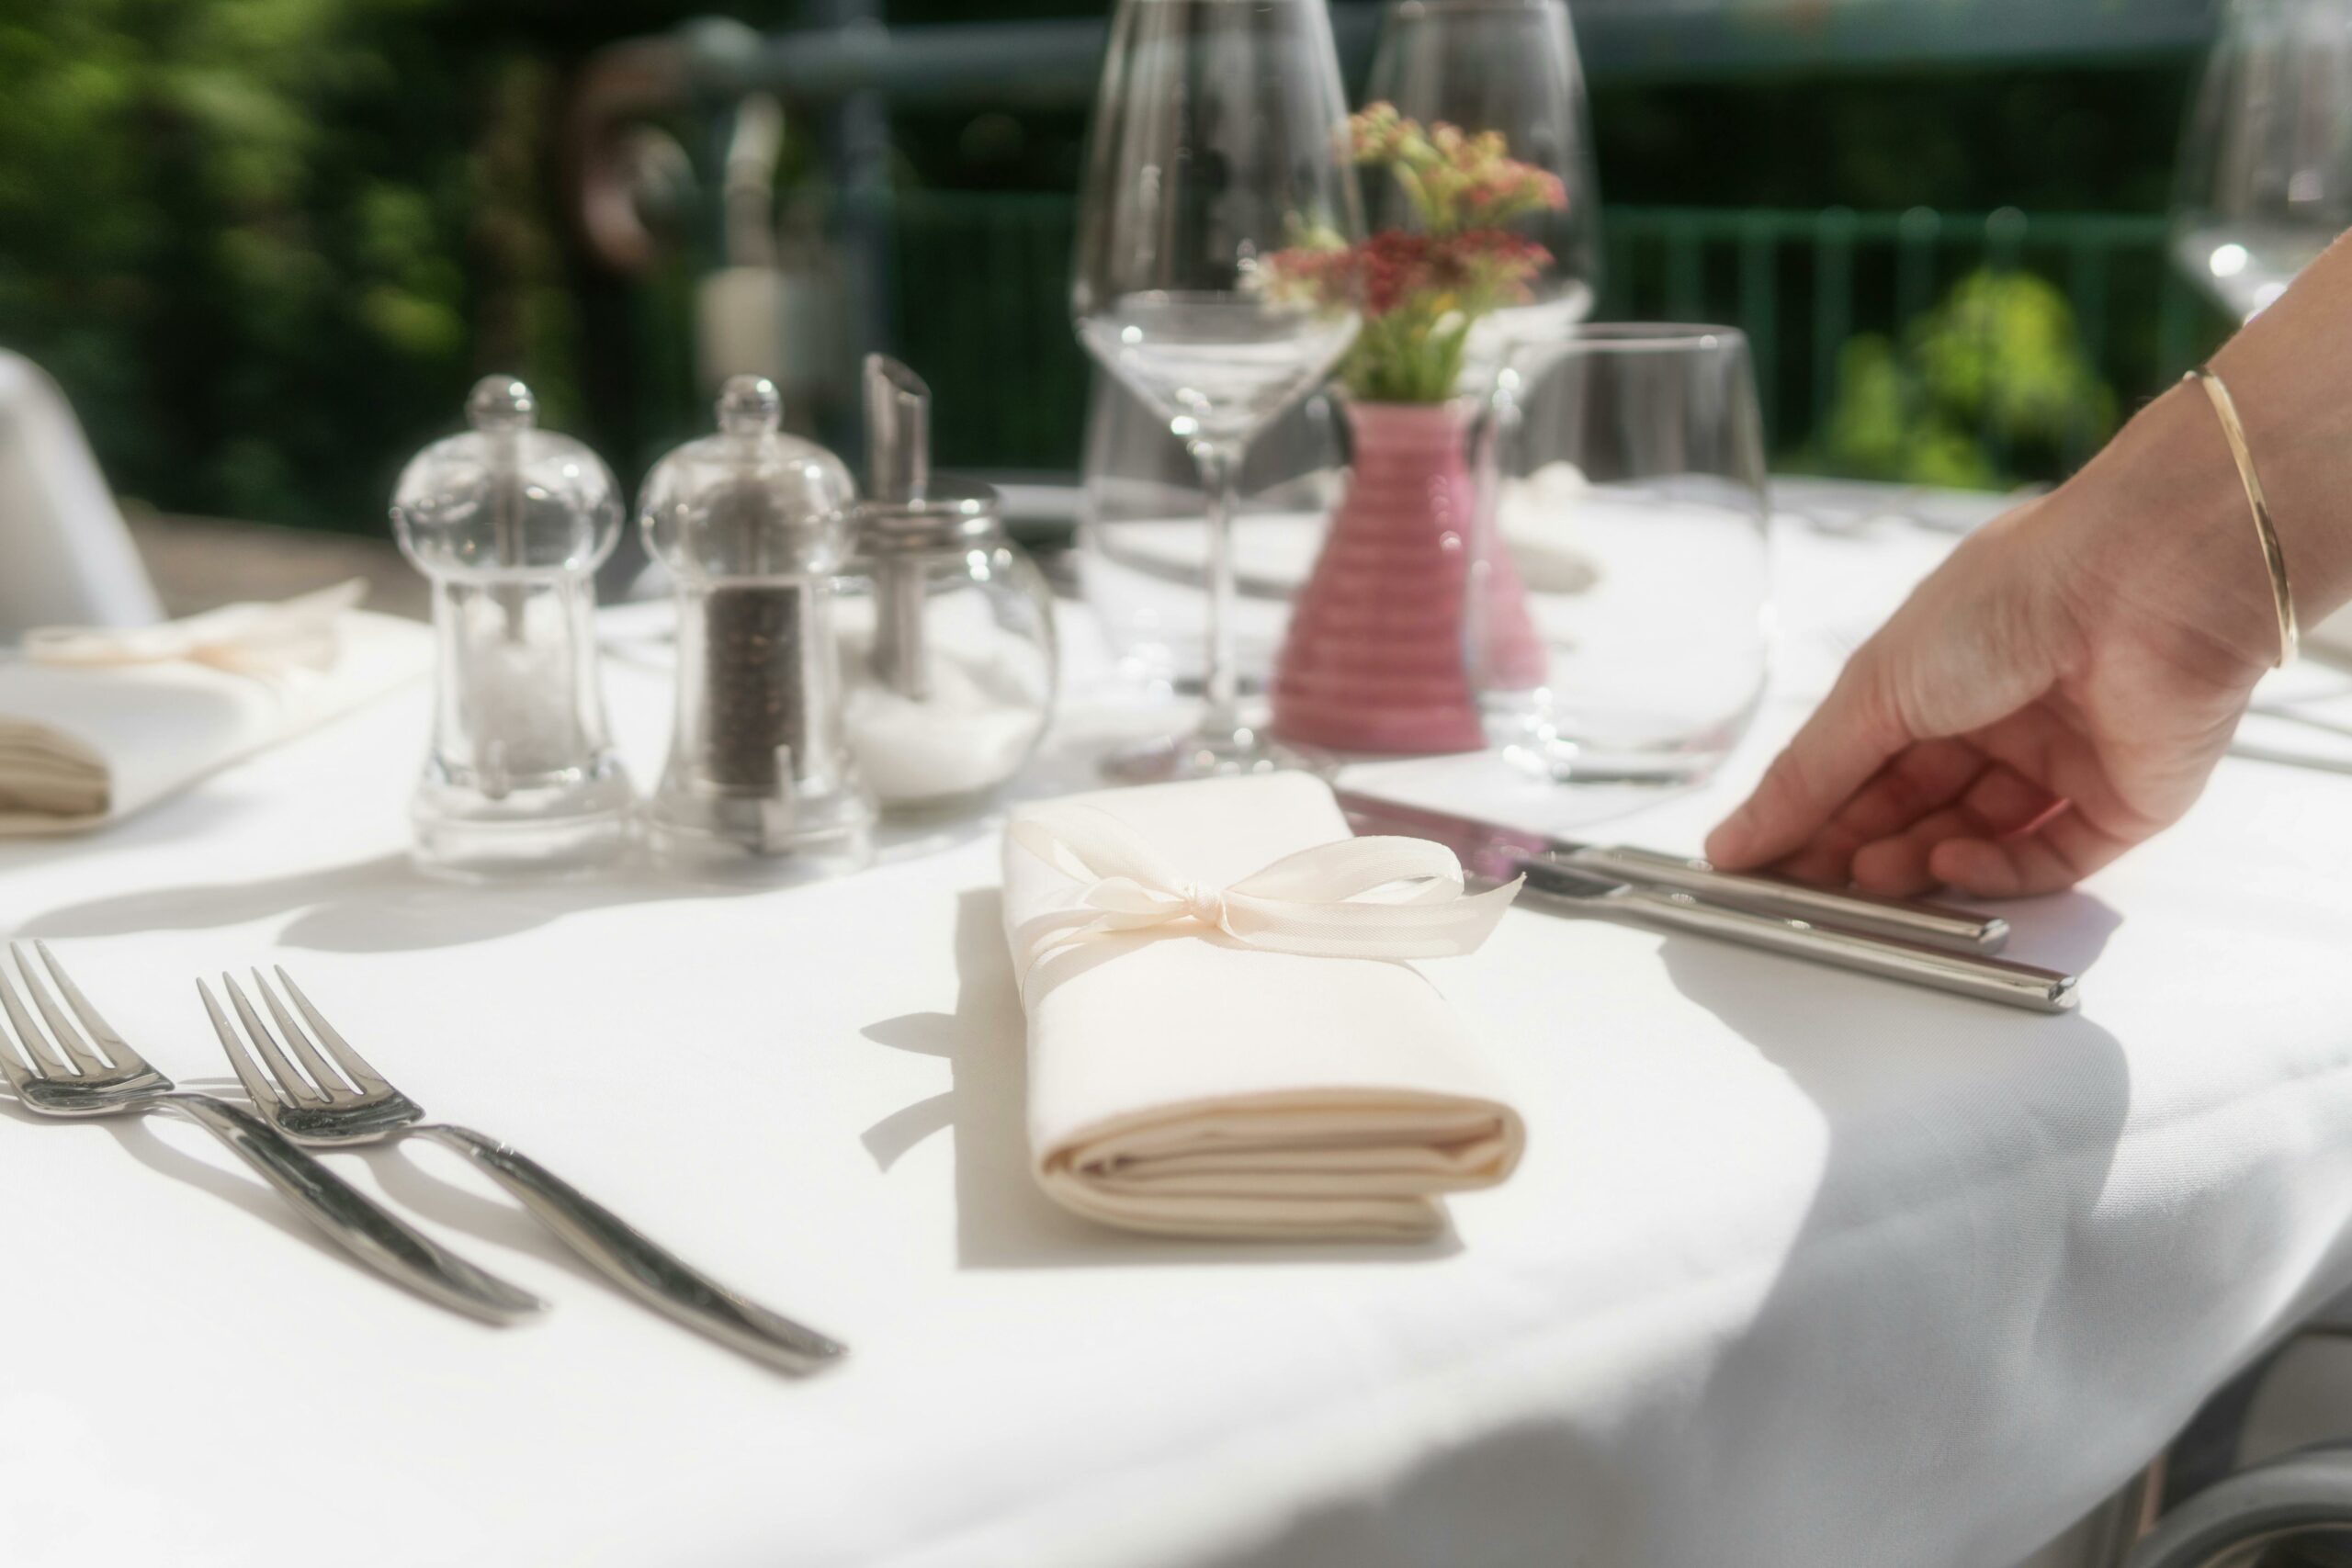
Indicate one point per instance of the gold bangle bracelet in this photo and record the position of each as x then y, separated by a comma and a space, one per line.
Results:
2273, 557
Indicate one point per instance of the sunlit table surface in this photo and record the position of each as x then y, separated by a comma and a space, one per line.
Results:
1801, 1267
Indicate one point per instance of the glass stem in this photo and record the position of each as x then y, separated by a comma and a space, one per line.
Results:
1220, 466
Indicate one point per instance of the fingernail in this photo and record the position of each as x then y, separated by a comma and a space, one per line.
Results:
1730, 837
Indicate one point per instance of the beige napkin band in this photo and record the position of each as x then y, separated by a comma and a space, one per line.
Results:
246, 639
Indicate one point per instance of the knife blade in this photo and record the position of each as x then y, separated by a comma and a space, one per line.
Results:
1936, 925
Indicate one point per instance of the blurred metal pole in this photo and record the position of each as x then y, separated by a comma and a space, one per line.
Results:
857, 136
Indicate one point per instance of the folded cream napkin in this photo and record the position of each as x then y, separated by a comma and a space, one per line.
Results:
1212, 1048
94, 723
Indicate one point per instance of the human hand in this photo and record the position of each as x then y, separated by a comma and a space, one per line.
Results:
2054, 693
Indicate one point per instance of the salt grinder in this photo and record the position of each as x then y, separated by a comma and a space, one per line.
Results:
952, 682
511, 522
753, 525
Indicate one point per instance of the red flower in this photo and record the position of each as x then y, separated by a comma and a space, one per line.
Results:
1396, 269
1420, 289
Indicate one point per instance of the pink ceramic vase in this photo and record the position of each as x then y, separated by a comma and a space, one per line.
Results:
1374, 659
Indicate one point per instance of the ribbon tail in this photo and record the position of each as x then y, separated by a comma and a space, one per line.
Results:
1037, 937
1418, 929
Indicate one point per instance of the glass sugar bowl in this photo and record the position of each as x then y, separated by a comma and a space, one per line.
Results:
754, 526
947, 626
511, 522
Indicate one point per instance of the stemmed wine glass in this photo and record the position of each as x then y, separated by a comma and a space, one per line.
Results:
2266, 161
1219, 138
1507, 66
1143, 560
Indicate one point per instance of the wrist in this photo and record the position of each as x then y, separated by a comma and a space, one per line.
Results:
2298, 424
2159, 544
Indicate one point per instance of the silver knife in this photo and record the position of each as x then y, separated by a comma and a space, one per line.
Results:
1936, 925
1553, 885
1990, 979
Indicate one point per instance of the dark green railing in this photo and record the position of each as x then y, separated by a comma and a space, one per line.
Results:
981, 302
983, 309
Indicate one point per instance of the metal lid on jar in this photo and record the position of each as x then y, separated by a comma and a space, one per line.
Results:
751, 501
906, 507
505, 499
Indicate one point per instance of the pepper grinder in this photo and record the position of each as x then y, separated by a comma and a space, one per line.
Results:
511, 522
949, 644
753, 524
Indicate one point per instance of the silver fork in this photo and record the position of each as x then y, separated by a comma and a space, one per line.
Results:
322, 1105
64, 1074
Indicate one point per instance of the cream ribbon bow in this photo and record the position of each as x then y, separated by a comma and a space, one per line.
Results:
1369, 897
247, 640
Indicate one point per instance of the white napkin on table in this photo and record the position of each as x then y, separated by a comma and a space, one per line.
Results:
64, 551
1184, 1081
96, 724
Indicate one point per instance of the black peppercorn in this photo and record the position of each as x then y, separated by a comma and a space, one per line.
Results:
753, 648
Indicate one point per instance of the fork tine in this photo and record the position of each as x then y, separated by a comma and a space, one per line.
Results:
118, 1049
62, 1029
28, 1035
19, 1078
328, 1081
353, 1065
17, 1074
288, 1081
256, 1086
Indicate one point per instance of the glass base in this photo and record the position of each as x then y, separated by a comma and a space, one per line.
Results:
717, 858
737, 838
547, 847
1210, 754
1541, 746
546, 825
1565, 761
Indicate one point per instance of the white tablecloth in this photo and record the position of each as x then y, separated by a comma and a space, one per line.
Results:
1800, 1269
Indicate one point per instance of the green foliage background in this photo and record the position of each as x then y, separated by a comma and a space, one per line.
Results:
1990, 383
266, 244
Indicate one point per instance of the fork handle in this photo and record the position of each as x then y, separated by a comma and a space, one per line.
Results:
347, 1214
645, 1270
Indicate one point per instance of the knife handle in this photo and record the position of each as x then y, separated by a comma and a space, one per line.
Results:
1974, 974
1966, 974
1936, 925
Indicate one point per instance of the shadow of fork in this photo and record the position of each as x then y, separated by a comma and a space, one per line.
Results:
405, 1180
139, 1140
